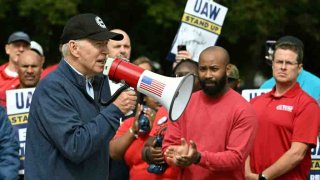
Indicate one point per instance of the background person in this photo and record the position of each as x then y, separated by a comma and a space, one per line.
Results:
17, 43
29, 69
233, 76
307, 81
68, 128
210, 141
287, 120
185, 67
120, 48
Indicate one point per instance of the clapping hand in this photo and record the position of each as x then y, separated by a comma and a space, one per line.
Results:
183, 154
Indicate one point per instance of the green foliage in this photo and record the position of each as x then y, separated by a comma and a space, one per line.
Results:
4, 8
165, 12
252, 17
54, 12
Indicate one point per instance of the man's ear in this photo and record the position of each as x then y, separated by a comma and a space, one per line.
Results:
7, 48
228, 68
74, 48
300, 67
43, 59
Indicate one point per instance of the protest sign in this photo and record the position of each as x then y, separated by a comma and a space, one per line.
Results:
18, 105
249, 94
200, 26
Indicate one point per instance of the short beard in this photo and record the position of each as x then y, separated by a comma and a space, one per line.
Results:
217, 89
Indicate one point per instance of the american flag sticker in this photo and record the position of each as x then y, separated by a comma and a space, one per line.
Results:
152, 85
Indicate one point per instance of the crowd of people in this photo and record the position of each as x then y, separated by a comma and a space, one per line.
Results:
73, 134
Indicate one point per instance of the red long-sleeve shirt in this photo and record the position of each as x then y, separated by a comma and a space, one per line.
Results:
6, 83
223, 130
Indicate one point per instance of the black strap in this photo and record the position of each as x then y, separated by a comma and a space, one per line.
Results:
115, 95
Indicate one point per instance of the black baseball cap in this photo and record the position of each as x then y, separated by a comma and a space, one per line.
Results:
88, 26
19, 36
290, 39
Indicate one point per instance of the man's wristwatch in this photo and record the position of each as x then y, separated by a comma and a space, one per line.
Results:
262, 177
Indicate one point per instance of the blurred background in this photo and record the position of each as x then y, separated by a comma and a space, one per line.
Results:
152, 26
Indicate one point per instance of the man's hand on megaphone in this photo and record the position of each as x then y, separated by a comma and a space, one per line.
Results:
126, 101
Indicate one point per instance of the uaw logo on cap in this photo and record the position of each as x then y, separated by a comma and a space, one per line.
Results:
100, 22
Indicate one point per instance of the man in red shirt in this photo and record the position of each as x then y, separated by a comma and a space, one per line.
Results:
18, 42
152, 150
287, 120
214, 135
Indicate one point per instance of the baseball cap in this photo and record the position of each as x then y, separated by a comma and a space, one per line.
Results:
19, 36
36, 47
232, 71
88, 26
291, 40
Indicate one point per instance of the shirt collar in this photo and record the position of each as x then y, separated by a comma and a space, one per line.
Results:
291, 93
87, 79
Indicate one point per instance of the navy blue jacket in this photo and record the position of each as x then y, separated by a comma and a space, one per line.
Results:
9, 149
69, 132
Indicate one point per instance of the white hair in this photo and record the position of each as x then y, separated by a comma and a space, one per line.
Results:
65, 48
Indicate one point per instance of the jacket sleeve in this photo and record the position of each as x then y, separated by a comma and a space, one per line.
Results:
74, 135
9, 148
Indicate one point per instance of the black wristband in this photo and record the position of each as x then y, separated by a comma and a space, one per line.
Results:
262, 177
198, 158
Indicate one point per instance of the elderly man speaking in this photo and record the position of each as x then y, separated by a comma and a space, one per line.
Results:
69, 129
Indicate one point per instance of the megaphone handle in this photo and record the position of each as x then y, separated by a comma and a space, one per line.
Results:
115, 95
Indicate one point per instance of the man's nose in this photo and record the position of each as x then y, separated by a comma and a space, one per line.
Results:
22, 48
208, 74
104, 50
30, 69
284, 65
122, 49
